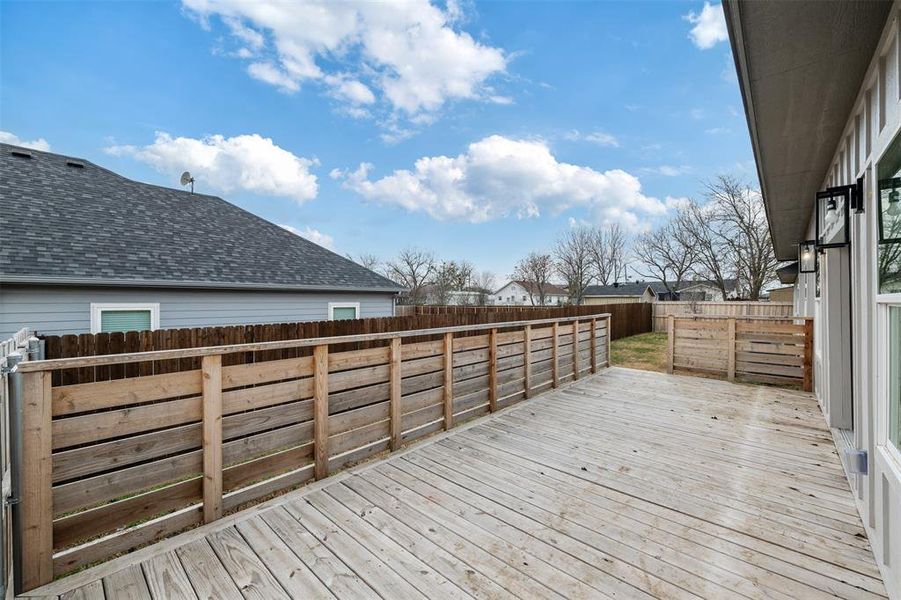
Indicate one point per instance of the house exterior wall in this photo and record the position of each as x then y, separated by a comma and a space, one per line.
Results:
701, 292
851, 352
54, 310
514, 294
783, 294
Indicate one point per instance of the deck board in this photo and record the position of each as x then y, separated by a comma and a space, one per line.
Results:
626, 484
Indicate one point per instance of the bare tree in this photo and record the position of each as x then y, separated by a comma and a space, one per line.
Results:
535, 270
483, 285
450, 276
744, 228
413, 268
665, 255
370, 261
573, 261
608, 253
715, 260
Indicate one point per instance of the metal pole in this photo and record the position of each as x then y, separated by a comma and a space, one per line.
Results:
15, 463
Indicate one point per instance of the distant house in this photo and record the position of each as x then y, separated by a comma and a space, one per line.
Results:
86, 250
656, 291
524, 293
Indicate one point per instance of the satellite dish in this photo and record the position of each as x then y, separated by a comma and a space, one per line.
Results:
186, 179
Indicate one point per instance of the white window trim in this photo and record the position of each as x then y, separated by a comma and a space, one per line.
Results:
98, 307
333, 305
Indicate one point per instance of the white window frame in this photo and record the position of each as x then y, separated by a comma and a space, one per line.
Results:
333, 305
98, 307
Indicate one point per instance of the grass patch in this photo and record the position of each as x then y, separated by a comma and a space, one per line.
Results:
643, 351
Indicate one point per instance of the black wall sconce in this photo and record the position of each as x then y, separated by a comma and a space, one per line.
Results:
832, 227
807, 257
889, 211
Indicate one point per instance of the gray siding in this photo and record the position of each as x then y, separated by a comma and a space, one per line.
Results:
53, 310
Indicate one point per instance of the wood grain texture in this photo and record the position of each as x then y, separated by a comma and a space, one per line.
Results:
448, 391
492, 370
36, 499
212, 437
587, 491
395, 399
320, 410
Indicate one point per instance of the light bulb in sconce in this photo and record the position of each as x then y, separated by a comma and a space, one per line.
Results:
894, 203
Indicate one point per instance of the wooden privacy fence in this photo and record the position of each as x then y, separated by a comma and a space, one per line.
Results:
662, 310
755, 349
112, 465
626, 321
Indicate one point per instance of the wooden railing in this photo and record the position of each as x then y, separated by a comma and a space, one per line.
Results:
755, 349
112, 465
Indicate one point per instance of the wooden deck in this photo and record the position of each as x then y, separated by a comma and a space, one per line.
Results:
627, 484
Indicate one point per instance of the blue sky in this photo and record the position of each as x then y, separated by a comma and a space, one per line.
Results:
476, 130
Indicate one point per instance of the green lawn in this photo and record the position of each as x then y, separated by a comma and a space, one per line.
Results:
644, 351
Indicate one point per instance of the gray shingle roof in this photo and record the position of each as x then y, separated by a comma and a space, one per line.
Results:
637, 288
61, 223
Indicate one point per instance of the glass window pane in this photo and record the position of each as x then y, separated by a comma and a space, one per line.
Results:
895, 376
124, 320
344, 313
889, 254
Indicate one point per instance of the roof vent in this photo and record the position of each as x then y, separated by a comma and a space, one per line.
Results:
21, 153
75, 164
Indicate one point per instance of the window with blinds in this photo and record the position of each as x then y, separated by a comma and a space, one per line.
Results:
124, 320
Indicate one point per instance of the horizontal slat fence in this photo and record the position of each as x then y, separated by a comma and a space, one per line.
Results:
627, 320
115, 464
755, 349
662, 310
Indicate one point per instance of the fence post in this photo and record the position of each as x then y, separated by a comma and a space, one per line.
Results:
492, 370
808, 355
527, 358
448, 380
594, 345
575, 350
394, 401
607, 339
320, 410
730, 372
554, 338
36, 498
670, 341
211, 369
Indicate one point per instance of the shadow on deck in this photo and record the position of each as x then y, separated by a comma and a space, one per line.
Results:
627, 484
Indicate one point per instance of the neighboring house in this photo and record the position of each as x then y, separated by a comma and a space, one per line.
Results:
620, 293
820, 83
782, 294
524, 293
706, 291
656, 291
86, 250
465, 297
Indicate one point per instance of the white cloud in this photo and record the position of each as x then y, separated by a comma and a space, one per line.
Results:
498, 177
10, 138
249, 163
312, 234
709, 26
676, 202
600, 138
669, 170
410, 55
717, 130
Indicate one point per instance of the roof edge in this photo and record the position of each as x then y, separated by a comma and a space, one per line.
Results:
163, 283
